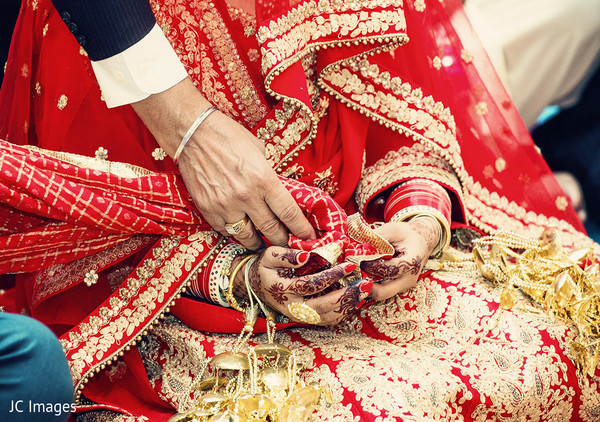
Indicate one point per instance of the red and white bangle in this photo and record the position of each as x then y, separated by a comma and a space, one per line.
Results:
422, 198
213, 285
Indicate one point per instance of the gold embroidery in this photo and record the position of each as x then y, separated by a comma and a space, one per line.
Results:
247, 20
292, 135
325, 181
302, 31
311, 11
159, 154
590, 403
127, 312
400, 165
253, 55
221, 49
293, 172
406, 110
437, 63
442, 347
38, 88
430, 123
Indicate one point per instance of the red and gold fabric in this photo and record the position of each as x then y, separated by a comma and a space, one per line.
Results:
350, 97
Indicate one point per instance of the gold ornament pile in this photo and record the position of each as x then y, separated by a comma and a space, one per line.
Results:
566, 285
261, 383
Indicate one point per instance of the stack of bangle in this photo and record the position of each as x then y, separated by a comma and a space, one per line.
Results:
231, 300
422, 198
212, 285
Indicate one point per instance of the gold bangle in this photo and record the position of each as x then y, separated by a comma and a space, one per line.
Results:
444, 225
230, 298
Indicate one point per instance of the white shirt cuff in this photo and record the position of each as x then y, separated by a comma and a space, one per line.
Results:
147, 67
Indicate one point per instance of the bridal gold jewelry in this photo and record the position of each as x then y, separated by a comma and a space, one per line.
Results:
565, 285
263, 384
304, 313
229, 295
234, 228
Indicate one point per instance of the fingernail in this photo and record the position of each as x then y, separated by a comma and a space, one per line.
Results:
350, 267
364, 303
303, 257
366, 287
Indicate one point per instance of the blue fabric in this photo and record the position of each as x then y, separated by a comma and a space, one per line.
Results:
106, 27
570, 141
35, 383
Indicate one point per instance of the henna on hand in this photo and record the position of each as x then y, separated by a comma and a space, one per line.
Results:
348, 301
428, 230
289, 255
394, 268
254, 279
306, 285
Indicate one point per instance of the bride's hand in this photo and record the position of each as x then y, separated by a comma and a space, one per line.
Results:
413, 241
273, 279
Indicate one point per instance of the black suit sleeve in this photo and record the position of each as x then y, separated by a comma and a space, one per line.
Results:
106, 27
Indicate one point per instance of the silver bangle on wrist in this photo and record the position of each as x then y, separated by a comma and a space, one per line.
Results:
191, 131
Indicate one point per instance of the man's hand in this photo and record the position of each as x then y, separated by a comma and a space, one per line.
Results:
224, 168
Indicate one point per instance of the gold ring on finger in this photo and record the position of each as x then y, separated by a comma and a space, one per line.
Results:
234, 228
304, 313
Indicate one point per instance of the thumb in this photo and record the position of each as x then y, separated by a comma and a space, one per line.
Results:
394, 232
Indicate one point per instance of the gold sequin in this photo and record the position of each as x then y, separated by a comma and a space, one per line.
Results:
101, 153
159, 154
488, 172
562, 203
62, 102
253, 55
466, 55
91, 278
500, 164
481, 108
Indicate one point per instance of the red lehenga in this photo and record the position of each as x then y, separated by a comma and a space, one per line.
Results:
349, 96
